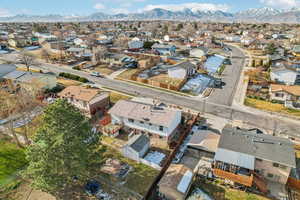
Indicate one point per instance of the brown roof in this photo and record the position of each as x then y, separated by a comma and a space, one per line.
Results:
291, 89
144, 112
80, 93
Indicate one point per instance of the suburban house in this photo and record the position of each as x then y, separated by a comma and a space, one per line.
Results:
176, 182
253, 159
164, 49
284, 75
91, 102
136, 147
198, 52
182, 70
31, 80
75, 51
145, 118
135, 44
5, 69
289, 94
113, 58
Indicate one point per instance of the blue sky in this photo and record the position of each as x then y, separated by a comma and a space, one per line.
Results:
85, 7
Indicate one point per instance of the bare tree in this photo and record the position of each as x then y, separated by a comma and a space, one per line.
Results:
98, 54
20, 103
7, 109
45, 55
27, 59
122, 42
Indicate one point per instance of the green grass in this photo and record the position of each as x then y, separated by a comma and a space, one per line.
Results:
12, 159
221, 69
217, 191
272, 107
115, 97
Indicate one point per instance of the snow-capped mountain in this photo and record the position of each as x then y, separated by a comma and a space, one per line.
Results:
258, 12
256, 15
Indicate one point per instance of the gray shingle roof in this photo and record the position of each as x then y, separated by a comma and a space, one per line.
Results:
138, 142
6, 68
262, 146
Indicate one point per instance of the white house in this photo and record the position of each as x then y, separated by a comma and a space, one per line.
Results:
198, 52
247, 40
182, 70
146, 118
135, 44
284, 75
233, 38
285, 93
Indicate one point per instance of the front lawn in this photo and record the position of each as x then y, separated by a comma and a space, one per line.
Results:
103, 69
128, 73
12, 160
116, 96
269, 106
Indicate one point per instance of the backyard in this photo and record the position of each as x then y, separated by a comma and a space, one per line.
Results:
218, 191
31, 127
139, 178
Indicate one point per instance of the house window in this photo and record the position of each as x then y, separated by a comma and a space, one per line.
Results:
161, 128
131, 120
275, 165
270, 175
282, 166
279, 94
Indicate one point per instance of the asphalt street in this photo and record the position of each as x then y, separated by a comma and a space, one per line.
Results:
230, 76
260, 120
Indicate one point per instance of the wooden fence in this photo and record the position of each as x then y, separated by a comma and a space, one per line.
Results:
171, 157
293, 183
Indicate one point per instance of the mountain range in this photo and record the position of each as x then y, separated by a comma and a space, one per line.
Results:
259, 15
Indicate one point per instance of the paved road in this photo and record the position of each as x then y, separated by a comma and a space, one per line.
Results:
230, 76
261, 120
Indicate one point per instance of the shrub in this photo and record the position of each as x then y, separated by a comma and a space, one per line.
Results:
83, 80
73, 77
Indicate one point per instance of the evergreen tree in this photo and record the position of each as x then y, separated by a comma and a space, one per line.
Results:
61, 149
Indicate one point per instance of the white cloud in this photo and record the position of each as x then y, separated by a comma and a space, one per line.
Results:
4, 12
99, 6
285, 4
119, 11
192, 6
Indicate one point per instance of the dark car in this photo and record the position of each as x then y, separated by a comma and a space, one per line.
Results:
92, 187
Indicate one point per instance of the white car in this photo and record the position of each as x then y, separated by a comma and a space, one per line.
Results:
97, 74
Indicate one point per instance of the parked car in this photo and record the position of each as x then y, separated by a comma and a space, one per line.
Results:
178, 157
218, 82
132, 65
97, 74
92, 187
